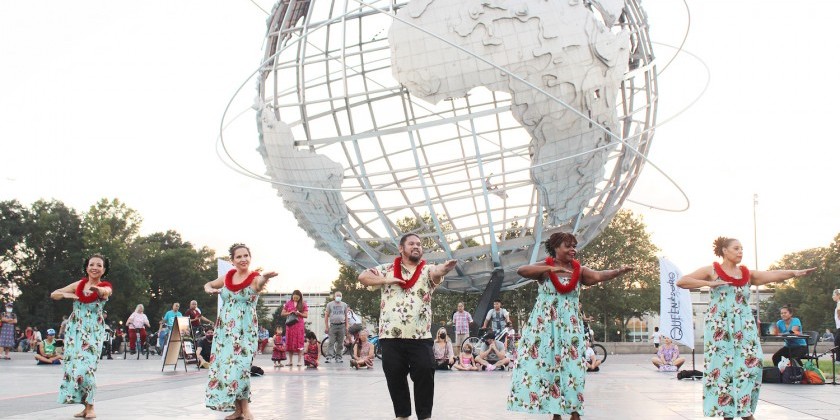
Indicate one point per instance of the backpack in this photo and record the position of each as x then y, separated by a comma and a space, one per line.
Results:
813, 374
771, 375
793, 374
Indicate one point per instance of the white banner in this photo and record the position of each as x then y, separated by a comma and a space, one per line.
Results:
675, 317
223, 268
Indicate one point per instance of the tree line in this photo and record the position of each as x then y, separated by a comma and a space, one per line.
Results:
43, 247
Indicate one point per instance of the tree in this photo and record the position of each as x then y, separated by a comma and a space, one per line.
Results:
613, 303
810, 296
12, 232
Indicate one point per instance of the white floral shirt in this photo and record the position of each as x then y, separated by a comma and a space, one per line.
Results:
406, 313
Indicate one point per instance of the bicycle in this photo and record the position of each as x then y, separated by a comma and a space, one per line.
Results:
348, 345
475, 342
139, 346
600, 351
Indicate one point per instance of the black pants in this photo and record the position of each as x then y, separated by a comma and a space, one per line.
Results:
837, 344
789, 352
402, 357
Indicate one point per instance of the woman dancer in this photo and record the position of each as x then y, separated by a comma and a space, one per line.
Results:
549, 376
732, 352
295, 333
83, 336
235, 342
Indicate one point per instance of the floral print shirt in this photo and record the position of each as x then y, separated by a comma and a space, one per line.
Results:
406, 313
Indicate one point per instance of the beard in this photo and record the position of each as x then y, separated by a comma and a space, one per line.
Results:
414, 258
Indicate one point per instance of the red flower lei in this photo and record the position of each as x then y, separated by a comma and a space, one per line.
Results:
745, 275
92, 297
572, 284
245, 283
398, 273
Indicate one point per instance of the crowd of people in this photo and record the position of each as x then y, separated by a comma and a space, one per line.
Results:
554, 347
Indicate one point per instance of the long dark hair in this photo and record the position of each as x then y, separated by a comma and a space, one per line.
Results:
300, 301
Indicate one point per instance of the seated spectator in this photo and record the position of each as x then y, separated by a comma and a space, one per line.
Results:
589, 359
137, 323
204, 348
109, 335
828, 336
119, 337
35, 339
793, 348
46, 354
465, 359
312, 351
492, 355
668, 357
278, 354
363, 353
21, 343
262, 339
444, 355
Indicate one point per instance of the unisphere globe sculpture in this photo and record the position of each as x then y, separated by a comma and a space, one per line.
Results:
481, 125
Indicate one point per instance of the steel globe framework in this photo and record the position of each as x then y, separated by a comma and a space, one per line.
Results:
481, 126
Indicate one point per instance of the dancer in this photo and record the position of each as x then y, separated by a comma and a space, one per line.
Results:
732, 351
405, 323
549, 375
83, 336
235, 342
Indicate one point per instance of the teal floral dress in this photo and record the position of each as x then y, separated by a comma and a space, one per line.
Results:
549, 375
732, 354
83, 339
234, 345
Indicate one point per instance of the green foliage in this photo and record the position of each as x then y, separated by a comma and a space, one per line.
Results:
810, 296
613, 303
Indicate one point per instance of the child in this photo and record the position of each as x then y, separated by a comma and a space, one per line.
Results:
465, 360
312, 351
362, 352
279, 353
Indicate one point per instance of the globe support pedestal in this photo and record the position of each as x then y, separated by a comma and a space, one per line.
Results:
491, 293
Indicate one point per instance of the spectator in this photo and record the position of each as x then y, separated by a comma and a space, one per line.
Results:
668, 358
170, 315
336, 325
21, 344
262, 339
163, 336
363, 353
444, 356
137, 323
196, 317
793, 348
656, 337
836, 296
36, 339
828, 336
46, 354
497, 317
119, 337
590, 360
462, 320
492, 354
313, 350
465, 359
278, 355
295, 332
107, 336
204, 348
29, 334
62, 327
7, 332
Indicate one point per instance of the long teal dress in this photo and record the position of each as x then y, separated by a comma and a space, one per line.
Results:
549, 375
83, 339
234, 347
732, 354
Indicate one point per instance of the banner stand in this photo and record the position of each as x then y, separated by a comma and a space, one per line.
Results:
180, 345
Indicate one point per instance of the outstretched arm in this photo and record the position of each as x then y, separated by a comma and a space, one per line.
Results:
539, 271
66, 292
591, 277
759, 278
372, 277
214, 286
441, 270
263, 279
700, 278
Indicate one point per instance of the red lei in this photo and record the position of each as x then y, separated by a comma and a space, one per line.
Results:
245, 283
93, 296
417, 271
745, 275
572, 284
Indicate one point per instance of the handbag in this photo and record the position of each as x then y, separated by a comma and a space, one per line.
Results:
291, 319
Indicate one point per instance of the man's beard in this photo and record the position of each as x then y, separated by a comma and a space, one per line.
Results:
414, 259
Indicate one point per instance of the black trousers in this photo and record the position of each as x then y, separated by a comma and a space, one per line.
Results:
837, 344
400, 358
790, 353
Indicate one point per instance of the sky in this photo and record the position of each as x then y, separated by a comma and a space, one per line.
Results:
124, 99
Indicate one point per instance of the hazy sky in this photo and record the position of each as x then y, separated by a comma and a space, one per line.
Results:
124, 99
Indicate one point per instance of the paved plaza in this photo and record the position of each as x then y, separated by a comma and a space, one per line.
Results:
627, 387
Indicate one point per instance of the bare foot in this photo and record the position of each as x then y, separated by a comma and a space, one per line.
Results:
575, 416
234, 416
246, 415
80, 415
90, 415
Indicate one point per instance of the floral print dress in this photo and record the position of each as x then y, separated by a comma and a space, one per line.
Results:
733, 356
234, 347
549, 375
82, 346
